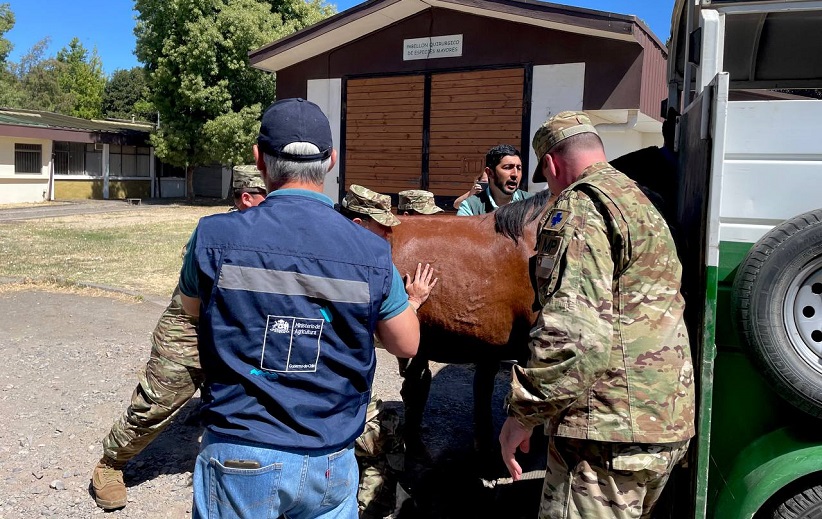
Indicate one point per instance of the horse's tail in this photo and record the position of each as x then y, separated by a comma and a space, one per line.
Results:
511, 219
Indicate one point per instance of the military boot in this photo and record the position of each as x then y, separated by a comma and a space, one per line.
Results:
107, 483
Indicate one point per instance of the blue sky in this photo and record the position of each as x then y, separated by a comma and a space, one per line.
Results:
108, 25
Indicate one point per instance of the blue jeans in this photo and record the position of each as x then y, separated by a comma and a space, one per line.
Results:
285, 484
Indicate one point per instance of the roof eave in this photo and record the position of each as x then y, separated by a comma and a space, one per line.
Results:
374, 15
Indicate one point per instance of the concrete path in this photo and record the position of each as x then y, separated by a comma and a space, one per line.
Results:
69, 208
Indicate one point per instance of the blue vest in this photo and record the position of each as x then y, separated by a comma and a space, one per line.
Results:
290, 296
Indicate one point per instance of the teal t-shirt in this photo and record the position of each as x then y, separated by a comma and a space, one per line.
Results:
394, 304
476, 204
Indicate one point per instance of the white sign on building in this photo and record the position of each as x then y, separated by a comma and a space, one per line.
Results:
434, 47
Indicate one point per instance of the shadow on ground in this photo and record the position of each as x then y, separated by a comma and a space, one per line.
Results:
174, 451
460, 485
459, 482
456, 483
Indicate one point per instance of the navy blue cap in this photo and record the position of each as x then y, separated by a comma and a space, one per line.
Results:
294, 120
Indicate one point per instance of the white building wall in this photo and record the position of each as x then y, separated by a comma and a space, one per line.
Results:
327, 94
652, 139
554, 88
619, 143
20, 187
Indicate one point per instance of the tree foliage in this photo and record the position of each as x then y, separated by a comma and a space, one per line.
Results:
9, 91
231, 135
125, 95
38, 82
196, 53
6, 24
71, 83
81, 75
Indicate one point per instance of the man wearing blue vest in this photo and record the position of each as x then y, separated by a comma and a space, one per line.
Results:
289, 296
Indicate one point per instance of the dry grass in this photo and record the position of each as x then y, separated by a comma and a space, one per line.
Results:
136, 250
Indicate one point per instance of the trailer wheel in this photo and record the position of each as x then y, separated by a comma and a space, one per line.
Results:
800, 504
777, 298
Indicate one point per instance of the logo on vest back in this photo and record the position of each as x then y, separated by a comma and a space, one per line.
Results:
291, 344
280, 326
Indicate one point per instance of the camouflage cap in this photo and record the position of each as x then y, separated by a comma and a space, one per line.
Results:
417, 200
370, 203
555, 130
247, 177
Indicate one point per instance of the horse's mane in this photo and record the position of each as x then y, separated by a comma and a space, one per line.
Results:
510, 220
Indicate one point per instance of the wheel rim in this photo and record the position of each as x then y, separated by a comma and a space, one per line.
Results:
803, 313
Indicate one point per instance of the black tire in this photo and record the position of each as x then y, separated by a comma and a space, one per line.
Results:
798, 503
777, 300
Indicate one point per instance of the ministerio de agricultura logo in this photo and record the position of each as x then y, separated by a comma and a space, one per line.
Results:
280, 326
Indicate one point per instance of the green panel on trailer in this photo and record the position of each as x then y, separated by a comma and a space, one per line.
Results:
706, 388
727, 337
766, 466
744, 408
731, 254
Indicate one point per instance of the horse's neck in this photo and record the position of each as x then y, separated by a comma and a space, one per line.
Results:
529, 233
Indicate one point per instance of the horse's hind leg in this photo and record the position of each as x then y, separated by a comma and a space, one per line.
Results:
484, 377
402, 365
415, 388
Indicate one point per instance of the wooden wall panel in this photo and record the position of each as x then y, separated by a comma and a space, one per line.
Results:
383, 133
471, 112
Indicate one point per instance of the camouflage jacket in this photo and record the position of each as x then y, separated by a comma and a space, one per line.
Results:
610, 358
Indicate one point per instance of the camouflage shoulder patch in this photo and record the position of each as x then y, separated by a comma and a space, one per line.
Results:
557, 219
549, 248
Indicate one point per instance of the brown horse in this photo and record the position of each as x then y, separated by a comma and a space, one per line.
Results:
482, 308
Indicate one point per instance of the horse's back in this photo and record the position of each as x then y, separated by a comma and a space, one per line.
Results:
483, 297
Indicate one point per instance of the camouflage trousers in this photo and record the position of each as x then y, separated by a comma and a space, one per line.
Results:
169, 380
599, 480
379, 452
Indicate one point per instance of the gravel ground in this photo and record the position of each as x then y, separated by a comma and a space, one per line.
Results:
70, 363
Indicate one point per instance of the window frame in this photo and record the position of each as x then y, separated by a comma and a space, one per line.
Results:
35, 151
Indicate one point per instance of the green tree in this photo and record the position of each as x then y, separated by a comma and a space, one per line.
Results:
9, 86
196, 52
6, 24
82, 76
37, 82
125, 95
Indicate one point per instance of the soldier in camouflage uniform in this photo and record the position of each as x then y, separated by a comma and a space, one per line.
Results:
169, 379
379, 449
610, 375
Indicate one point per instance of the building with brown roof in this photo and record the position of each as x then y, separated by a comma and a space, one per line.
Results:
417, 91
49, 156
